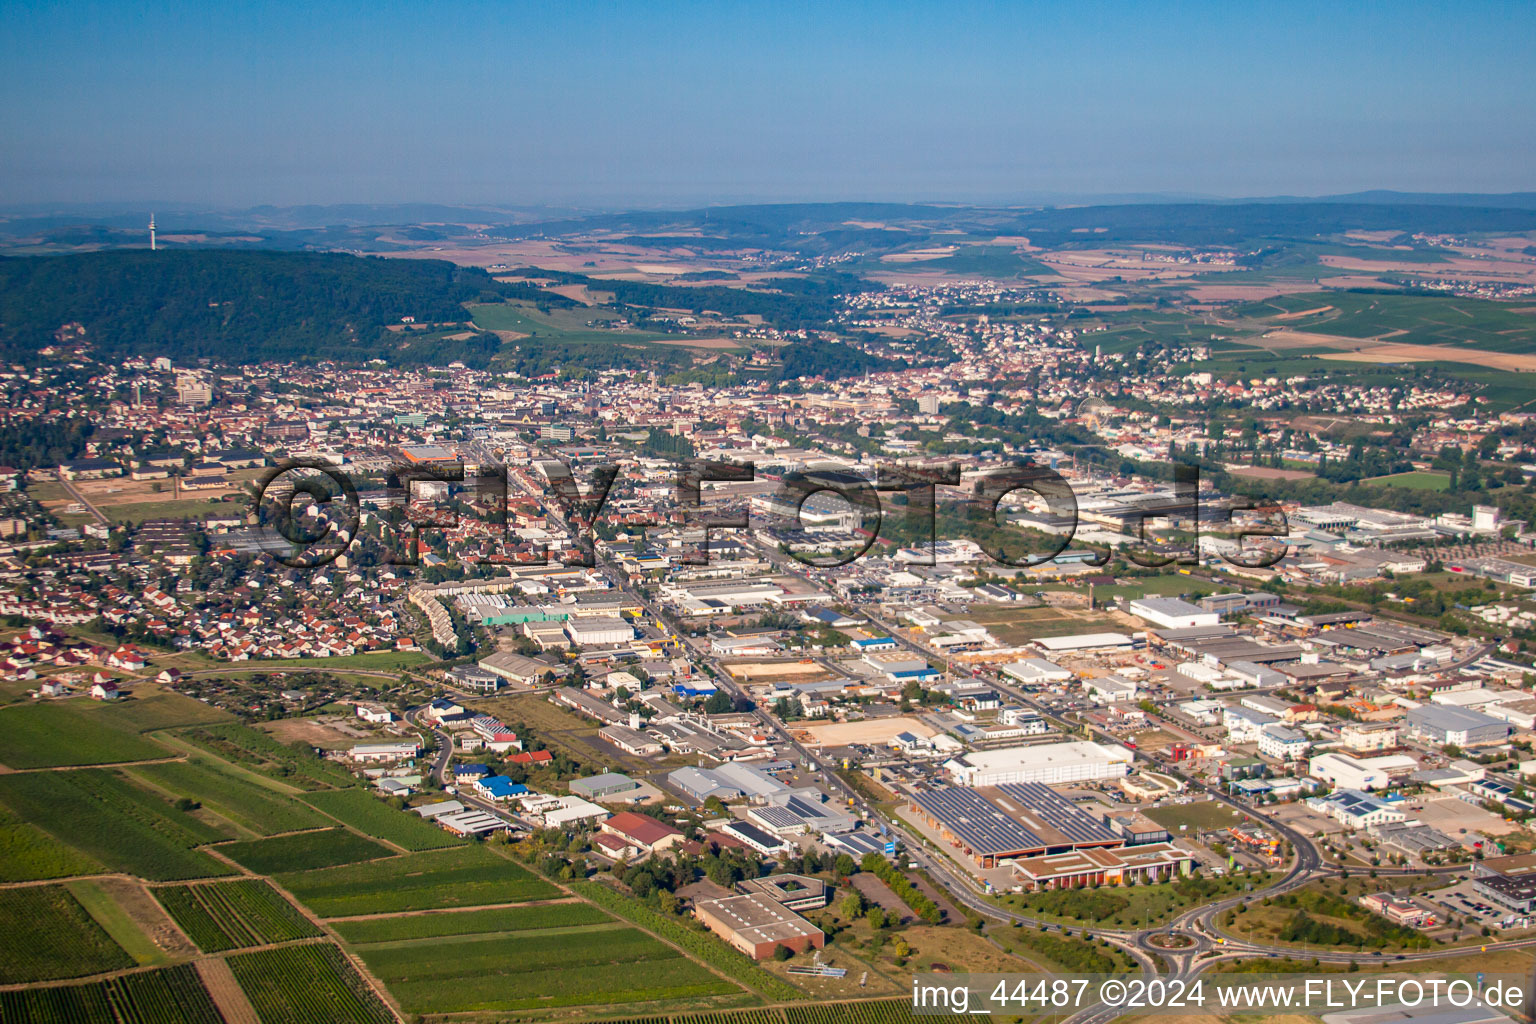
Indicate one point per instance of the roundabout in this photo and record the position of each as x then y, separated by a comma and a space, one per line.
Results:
1171, 940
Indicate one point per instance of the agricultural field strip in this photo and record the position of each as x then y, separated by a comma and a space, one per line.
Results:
722, 959
464, 876
863, 1011
557, 901
125, 828
68, 735
316, 983
230, 915
366, 948
363, 812
317, 849
50, 935
258, 752
232, 794
479, 972
152, 996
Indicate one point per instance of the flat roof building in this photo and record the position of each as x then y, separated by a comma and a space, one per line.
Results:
1085, 642
1049, 763
1172, 613
1452, 725
797, 892
1033, 671
599, 630
607, 784
517, 668
1153, 862
1010, 821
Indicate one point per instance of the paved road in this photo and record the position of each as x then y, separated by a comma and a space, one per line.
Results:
443, 758
74, 493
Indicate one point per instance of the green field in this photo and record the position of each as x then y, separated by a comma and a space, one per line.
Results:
1420, 319
998, 261
378, 661
163, 710
568, 326
706, 947
231, 915
136, 512
1129, 331
1012, 625
103, 905
367, 813
49, 935
312, 984
71, 733
27, 853
1136, 906
303, 851
469, 922
237, 797
1418, 480
173, 995
1208, 814
123, 827
464, 877
495, 972
250, 748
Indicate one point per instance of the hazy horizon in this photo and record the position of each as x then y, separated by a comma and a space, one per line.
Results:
692, 105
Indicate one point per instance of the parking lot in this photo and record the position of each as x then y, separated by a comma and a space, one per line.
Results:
1463, 902
1459, 819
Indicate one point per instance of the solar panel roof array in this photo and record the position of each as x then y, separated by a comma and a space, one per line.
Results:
975, 821
1012, 818
1039, 803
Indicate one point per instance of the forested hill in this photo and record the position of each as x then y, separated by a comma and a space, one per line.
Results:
232, 306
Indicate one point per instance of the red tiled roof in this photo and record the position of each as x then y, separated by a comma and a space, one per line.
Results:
642, 829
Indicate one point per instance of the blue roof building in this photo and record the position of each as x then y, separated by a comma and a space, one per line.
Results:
499, 787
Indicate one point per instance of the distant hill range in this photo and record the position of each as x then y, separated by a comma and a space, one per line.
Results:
805, 228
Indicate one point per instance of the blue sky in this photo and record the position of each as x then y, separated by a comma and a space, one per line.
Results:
673, 104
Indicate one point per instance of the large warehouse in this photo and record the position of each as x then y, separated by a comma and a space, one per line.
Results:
757, 925
1461, 726
1050, 763
1365, 773
599, 630
1172, 613
1011, 821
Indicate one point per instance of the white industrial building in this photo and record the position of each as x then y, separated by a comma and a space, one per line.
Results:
1110, 689
1048, 763
1085, 642
1206, 712
367, 752
597, 631
721, 597
1355, 809
1035, 671
1172, 613
1366, 773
